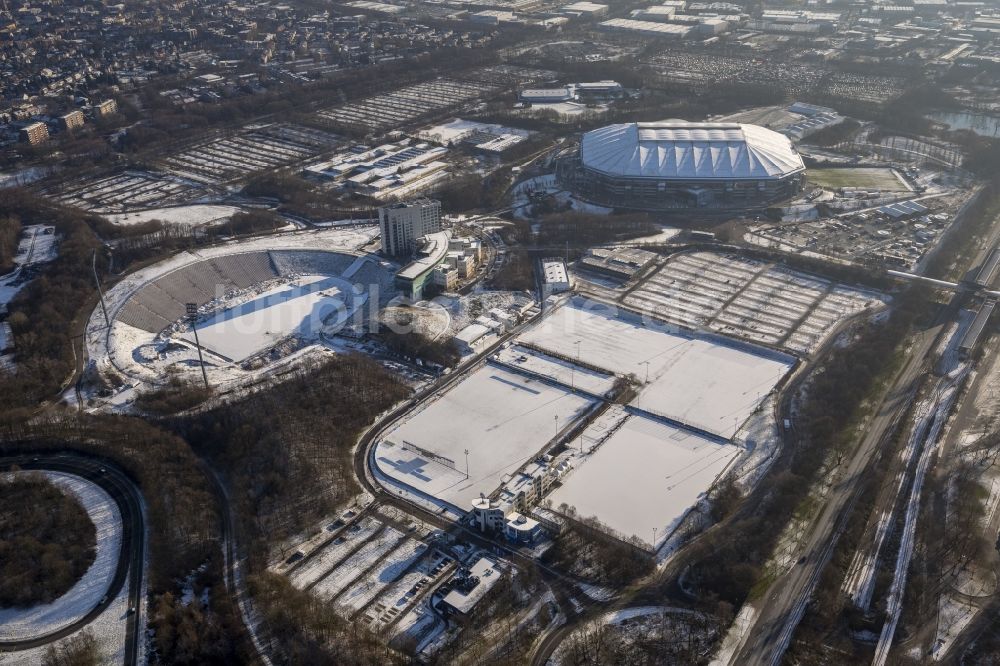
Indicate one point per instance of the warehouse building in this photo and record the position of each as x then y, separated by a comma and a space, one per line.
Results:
682, 165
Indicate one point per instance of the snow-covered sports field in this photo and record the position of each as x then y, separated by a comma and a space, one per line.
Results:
703, 382
502, 418
303, 306
644, 477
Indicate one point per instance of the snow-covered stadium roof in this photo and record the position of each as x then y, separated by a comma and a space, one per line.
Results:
682, 150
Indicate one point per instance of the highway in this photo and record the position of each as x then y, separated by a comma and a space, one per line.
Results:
131, 558
786, 600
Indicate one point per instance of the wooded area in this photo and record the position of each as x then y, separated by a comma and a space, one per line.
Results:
46, 541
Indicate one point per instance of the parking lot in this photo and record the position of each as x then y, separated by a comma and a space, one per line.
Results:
247, 152
374, 566
125, 191
748, 299
402, 107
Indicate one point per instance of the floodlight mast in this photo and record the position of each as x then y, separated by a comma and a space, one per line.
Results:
100, 291
192, 316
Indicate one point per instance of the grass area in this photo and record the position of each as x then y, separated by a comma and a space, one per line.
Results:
875, 178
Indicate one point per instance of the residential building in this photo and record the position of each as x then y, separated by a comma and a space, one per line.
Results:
71, 120
34, 134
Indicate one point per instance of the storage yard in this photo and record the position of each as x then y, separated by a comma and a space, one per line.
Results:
748, 299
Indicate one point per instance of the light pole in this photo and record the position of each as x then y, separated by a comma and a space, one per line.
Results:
572, 369
192, 315
467, 463
100, 292
645, 363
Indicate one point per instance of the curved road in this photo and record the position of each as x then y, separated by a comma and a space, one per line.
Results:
130, 560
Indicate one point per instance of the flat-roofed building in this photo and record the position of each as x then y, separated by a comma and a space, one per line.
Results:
417, 274
402, 224
585, 10
555, 277
34, 134
71, 120
469, 586
105, 108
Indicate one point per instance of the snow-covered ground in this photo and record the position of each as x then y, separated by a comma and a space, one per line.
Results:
314, 569
703, 382
954, 615
301, 307
27, 623
372, 585
109, 628
350, 569
566, 373
195, 215
23, 177
636, 621
126, 350
501, 418
645, 477
38, 245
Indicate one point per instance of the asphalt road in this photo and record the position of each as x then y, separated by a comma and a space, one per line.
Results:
787, 598
129, 501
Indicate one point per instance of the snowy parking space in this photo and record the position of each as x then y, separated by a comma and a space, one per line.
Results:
403, 592
364, 590
247, 152
128, 190
501, 418
743, 298
191, 216
644, 477
319, 564
354, 566
407, 104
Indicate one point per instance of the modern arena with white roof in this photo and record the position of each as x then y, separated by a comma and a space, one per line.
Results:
681, 165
